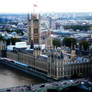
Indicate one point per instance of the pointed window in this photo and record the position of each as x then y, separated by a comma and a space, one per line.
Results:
36, 31
36, 41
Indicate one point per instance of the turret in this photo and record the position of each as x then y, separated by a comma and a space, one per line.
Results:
55, 64
48, 42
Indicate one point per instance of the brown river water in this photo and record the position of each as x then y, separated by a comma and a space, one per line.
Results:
11, 78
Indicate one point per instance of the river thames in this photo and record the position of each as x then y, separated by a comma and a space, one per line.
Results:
11, 78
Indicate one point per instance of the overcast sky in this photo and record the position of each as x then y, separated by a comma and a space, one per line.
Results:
25, 6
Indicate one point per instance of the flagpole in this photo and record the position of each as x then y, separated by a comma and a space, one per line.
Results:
34, 6
33, 9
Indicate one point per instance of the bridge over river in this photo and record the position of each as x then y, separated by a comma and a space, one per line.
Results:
58, 86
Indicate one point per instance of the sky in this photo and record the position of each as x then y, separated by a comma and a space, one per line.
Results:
26, 6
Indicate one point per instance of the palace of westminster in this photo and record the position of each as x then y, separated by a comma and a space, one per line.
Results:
55, 63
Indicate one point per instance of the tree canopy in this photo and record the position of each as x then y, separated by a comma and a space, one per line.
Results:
84, 45
2, 38
12, 41
56, 43
79, 27
69, 42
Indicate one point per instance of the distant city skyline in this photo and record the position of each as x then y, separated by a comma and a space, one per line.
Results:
26, 6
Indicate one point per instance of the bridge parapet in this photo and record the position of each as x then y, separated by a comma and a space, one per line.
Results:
45, 86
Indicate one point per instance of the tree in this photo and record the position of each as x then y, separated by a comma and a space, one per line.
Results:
80, 27
69, 42
2, 38
84, 45
12, 40
56, 43
20, 32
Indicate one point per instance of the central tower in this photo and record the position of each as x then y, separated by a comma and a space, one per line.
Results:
34, 29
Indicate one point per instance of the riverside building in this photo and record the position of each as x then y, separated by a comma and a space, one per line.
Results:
55, 64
